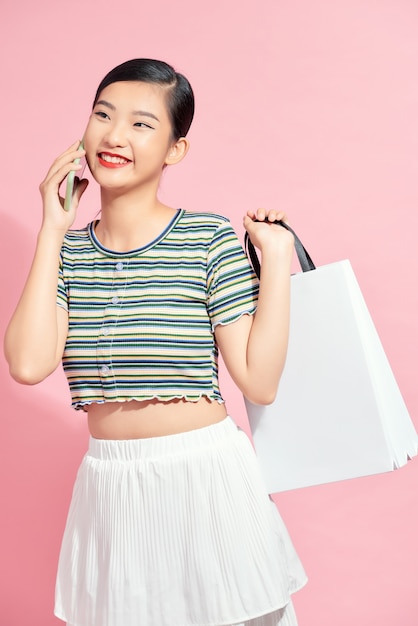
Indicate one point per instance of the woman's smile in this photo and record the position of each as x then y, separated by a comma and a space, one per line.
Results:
110, 160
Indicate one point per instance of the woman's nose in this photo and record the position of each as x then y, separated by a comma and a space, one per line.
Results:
116, 135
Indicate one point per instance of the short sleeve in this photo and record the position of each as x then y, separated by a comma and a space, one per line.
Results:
62, 299
232, 286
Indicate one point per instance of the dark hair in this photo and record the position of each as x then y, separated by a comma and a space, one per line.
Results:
180, 98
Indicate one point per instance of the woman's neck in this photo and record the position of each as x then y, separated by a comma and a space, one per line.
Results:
130, 222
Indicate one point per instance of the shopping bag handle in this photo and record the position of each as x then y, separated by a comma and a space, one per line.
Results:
305, 260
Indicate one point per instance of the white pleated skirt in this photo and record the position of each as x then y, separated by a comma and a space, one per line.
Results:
175, 531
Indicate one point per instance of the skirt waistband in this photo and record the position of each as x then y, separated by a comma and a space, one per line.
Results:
167, 445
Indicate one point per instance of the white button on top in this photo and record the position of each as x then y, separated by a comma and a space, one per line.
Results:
115, 300
119, 266
104, 370
106, 330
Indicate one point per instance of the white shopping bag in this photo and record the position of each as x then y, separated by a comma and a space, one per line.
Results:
338, 413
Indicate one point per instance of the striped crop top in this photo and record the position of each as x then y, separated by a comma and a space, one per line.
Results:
141, 323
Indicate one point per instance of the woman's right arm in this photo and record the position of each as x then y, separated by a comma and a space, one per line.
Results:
36, 335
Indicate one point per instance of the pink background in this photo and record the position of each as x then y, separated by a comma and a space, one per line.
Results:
307, 106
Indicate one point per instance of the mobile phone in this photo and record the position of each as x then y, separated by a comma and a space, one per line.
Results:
73, 179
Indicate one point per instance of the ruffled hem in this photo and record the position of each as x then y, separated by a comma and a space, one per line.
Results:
83, 404
235, 318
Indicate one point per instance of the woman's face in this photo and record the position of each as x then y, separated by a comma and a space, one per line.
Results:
128, 139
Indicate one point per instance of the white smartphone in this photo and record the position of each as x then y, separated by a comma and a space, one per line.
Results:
73, 179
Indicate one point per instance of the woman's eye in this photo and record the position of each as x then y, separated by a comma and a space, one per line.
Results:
101, 114
142, 125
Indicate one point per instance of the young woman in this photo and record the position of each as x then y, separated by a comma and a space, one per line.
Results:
170, 523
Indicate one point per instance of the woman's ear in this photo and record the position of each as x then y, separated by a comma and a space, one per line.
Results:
177, 151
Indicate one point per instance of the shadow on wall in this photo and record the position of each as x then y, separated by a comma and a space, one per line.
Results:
42, 443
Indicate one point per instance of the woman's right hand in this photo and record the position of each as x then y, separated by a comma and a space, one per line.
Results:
54, 215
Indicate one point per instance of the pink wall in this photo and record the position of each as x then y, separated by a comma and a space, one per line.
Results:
310, 106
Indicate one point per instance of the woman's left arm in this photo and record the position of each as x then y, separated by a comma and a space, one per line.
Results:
254, 347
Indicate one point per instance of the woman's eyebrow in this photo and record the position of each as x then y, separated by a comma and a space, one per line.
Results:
146, 113
106, 104
110, 106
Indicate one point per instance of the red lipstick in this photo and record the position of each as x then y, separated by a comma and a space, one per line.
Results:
121, 162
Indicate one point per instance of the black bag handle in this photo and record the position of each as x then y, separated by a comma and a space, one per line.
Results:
305, 260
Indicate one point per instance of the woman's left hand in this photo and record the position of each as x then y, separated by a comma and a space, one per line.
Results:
265, 233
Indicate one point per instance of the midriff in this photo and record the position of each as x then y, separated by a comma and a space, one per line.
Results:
151, 418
